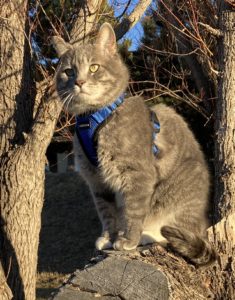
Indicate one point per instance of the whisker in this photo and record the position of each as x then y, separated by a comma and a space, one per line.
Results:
66, 99
69, 101
64, 93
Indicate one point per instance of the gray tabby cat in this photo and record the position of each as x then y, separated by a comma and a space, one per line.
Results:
140, 198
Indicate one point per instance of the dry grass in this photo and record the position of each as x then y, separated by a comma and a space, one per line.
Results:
47, 282
69, 228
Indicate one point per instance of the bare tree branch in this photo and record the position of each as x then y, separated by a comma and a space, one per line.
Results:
85, 20
130, 21
212, 30
125, 9
187, 41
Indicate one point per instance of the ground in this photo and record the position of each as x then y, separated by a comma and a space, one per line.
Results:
69, 228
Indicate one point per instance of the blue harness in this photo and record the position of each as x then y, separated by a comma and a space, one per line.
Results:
87, 126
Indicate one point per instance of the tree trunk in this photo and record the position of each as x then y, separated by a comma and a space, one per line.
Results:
225, 120
22, 192
22, 154
224, 229
12, 44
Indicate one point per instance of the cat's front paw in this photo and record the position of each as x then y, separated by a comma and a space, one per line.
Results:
103, 243
123, 243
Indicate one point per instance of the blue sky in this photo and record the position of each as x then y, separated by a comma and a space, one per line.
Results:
135, 35
136, 32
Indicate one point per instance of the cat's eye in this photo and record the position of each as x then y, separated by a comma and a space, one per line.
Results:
69, 72
94, 68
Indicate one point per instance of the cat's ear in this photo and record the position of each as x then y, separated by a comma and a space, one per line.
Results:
60, 45
106, 39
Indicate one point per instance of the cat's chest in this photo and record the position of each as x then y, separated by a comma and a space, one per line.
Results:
109, 141
126, 136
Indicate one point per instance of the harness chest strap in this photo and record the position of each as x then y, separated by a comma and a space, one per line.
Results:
87, 126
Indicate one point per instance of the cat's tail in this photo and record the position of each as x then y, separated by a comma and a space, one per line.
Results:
189, 245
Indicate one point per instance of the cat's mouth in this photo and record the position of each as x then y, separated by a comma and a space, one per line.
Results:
79, 91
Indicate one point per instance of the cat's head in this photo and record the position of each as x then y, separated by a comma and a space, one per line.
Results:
90, 76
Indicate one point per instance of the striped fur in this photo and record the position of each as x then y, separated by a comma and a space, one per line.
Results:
140, 199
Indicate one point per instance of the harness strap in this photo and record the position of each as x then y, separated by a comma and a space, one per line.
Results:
156, 129
87, 125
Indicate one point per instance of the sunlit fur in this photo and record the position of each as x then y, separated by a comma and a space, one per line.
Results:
100, 88
140, 198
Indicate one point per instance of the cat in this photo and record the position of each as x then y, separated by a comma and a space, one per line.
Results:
140, 197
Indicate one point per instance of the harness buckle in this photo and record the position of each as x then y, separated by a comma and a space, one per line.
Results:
85, 125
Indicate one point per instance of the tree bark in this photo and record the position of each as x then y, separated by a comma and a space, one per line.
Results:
22, 194
224, 230
24, 140
225, 120
12, 44
85, 21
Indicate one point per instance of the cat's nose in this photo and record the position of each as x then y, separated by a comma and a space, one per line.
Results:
80, 82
